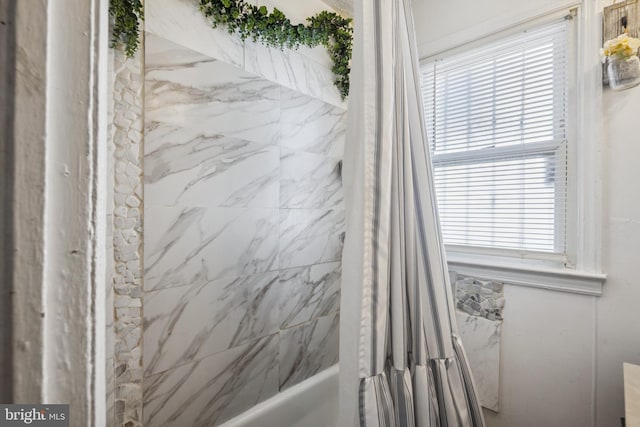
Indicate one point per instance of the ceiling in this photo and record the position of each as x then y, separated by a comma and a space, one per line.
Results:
344, 7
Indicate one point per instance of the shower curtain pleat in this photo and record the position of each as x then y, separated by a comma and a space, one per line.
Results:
401, 362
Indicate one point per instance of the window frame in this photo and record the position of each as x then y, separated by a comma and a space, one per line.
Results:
580, 271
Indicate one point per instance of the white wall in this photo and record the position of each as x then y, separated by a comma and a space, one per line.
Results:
58, 139
618, 316
547, 365
562, 354
440, 24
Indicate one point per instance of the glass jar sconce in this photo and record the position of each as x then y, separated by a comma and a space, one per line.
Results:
623, 73
621, 70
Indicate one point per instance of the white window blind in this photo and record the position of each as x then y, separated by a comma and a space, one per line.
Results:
497, 125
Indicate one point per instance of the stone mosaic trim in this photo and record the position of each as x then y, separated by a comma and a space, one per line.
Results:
127, 130
483, 298
109, 262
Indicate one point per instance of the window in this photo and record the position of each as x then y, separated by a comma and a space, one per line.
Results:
499, 126
514, 121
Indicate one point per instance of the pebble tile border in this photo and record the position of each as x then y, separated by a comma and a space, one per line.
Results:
477, 297
127, 128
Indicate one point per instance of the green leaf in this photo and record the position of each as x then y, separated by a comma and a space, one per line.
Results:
274, 29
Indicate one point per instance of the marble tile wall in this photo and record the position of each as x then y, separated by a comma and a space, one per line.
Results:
243, 237
479, 307
305, 70
481, 340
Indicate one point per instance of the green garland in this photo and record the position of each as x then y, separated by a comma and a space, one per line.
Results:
127, 15
274, 29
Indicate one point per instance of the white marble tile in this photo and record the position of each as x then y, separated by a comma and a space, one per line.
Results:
184, 167
270, 62
309, 292
294, 70
318, 54
188, 323
188, 90
261, 317
212, 390
309, 69
481, 340
310, 125
216, 172
161, 53
188, 245
310, 181
315, 79
310, 236
308, 349
182, 22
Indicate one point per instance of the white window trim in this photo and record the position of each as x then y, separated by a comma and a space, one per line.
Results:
556, 279
585, 276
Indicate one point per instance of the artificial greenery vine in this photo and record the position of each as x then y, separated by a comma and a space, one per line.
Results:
126, 15
275, 29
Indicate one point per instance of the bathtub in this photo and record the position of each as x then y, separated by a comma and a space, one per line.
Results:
312, 403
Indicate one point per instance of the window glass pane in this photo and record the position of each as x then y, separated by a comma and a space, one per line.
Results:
496, 121
502, 203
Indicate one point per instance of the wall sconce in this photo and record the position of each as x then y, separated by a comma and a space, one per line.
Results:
621, 28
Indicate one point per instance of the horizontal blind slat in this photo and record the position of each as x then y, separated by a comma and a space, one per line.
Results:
509, 95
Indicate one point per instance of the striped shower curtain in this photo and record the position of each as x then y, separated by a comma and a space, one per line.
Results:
401, 361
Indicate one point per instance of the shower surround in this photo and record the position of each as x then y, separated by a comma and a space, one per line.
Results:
243, 237
278, 175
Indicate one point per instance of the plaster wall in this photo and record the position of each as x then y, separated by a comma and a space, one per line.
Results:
547, 360
617, 317
58, 227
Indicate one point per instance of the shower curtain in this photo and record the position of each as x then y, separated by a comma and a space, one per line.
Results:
401, 362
